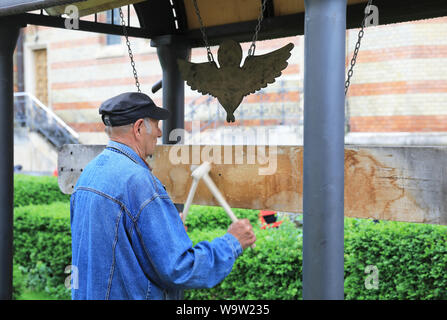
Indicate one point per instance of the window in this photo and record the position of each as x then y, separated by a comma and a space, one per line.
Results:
113, 39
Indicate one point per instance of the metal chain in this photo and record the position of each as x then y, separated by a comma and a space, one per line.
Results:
202, 30
251, 50
129, 50
357, 48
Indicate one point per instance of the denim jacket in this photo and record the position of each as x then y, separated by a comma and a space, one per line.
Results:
128, 241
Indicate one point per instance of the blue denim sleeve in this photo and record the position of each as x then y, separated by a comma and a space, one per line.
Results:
176, 261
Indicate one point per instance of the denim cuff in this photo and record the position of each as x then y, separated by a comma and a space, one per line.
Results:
234, 244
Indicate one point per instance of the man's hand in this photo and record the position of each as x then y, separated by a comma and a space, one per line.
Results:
243, 231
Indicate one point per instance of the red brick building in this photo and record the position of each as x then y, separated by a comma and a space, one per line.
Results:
399, 82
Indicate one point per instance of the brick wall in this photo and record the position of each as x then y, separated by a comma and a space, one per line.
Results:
399, 82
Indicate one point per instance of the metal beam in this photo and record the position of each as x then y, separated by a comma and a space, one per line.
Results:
8, 36
89, 26
157, 16
323, 157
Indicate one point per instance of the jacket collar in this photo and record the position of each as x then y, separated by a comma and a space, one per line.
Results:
129, 152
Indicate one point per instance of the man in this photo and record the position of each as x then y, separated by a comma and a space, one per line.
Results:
128, 240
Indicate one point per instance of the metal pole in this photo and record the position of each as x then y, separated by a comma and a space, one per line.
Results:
323, 166
8, 36
169, 49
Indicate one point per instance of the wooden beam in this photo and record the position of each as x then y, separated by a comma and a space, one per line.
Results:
386, 183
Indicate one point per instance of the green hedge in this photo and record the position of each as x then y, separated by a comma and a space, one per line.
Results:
272, 270
42, 246
30, 190
210, 218
411, 258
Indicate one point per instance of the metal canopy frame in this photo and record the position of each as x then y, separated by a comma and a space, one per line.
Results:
324, 118
156, 19
59, 22
391, 11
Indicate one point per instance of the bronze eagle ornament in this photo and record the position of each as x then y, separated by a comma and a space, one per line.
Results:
231, 83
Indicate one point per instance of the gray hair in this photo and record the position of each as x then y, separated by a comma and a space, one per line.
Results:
120, 130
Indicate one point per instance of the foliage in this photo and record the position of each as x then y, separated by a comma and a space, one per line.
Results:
410, 258
18, 282
272, 270
36, 190
42, 246
209, 218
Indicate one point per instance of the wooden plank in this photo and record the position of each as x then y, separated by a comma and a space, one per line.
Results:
221, 12
396, 183
385, 183
240, 175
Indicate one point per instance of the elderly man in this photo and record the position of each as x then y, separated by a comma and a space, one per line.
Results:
128, 240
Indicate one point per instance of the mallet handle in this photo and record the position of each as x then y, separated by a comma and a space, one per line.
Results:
216, 193
191, 193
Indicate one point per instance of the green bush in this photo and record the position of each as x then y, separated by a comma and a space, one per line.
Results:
210, 218
18, 282
411, 258
42, 246
272, 270
30, 190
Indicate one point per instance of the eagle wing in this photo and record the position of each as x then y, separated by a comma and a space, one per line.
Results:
203, 77
262, 70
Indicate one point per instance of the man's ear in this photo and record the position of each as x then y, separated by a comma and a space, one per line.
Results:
137, 126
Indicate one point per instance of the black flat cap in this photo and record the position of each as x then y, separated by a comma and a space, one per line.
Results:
128, 107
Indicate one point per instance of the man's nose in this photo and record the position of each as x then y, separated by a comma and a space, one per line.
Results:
160, 133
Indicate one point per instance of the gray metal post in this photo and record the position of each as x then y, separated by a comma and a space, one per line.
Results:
169, 49
323, 166
8, 36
